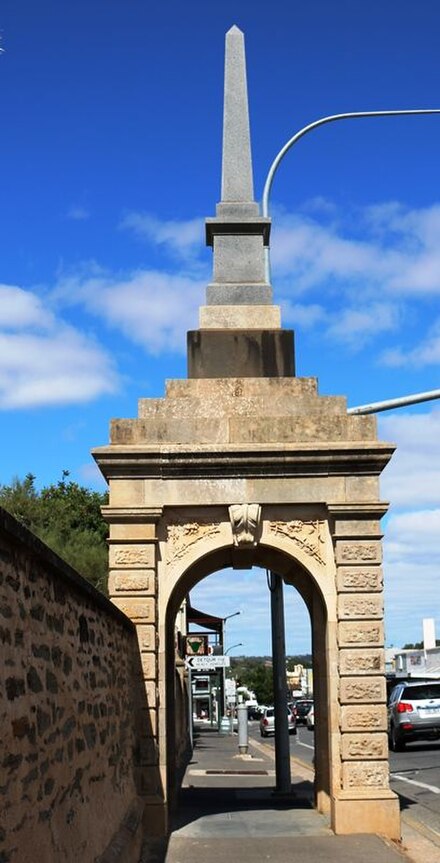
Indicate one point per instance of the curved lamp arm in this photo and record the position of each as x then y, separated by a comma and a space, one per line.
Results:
351, 115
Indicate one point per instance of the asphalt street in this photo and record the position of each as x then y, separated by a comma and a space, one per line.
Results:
415, 776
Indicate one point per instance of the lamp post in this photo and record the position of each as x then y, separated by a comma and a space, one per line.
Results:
224, 619
240, 644
350, 115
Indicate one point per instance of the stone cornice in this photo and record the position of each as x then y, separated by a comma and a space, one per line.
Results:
205, 461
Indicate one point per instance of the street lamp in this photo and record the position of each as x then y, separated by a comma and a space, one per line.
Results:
224, 619
240, 644
350, 115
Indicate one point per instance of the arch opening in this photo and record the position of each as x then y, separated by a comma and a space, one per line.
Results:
306, 585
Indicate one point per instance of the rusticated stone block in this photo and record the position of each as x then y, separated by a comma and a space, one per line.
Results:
149, 753
151, 693
356, 717
353, 579
131, 580
360, 633
362, 690
357, 551
361, 661
354, 606
364, 746
146, 637
132, 555
360, 775
137, 608
148, 665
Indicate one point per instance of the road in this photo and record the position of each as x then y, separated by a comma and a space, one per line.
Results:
415, 776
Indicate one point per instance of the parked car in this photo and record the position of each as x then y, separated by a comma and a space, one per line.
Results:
310, 719
413, 713
267, 721
303, 706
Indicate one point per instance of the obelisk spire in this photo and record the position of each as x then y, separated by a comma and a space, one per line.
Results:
240, 331
237, 182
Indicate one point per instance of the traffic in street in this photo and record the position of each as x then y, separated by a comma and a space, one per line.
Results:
415, 774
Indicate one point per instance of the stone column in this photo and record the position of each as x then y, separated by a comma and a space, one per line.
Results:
364, 797
133, 588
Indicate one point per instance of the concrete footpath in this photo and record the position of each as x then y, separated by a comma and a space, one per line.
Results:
227, 812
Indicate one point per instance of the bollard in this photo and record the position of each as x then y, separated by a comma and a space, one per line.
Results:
243, 738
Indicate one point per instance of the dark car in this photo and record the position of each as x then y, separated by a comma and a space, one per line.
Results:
414, 713
303, 706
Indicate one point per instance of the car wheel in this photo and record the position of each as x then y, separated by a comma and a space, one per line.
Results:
396, 742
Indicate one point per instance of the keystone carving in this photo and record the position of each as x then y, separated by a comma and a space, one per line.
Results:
181, 537
245, 522
307, 535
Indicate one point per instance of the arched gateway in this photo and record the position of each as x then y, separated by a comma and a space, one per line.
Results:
244, 464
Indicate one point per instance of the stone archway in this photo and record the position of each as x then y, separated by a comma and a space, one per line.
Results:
299, 549
244, 461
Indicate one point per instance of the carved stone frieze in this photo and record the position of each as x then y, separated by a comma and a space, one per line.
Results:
364, 746
361, 661
360, 633
370, 775
356, 717
357, 578
362, 690
245, 523
359, 551
306, 535
353, 606
181, 536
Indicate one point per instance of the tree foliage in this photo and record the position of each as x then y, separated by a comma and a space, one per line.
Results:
255, 672
67, 517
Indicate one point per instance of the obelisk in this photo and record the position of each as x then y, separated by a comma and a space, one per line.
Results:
240, 331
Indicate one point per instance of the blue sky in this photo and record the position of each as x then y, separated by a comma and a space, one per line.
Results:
109, 161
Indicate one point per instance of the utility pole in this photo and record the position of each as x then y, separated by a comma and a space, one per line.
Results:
282, 744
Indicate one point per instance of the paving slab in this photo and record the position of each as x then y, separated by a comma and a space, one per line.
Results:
228, 812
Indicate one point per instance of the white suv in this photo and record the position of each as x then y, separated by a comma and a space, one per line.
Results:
414, 713
267, 721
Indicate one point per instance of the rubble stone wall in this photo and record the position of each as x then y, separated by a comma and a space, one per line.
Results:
70, 696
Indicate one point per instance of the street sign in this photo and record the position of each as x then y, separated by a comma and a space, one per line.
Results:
207, 663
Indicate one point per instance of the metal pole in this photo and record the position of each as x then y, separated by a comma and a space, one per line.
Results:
242, 722
350, 115
190, 709
282, 745
389, 404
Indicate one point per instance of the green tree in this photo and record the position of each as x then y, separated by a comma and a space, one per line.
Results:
67, 517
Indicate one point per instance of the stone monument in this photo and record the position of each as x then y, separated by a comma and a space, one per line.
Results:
244, 464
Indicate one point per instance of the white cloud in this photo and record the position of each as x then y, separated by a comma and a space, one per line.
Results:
19, 309
425, 354
78, 214
43, 360
356, 327
184, 238
412, 478
246, 590
398, 252
151, 308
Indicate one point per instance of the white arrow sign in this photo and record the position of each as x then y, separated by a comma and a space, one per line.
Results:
207, 663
